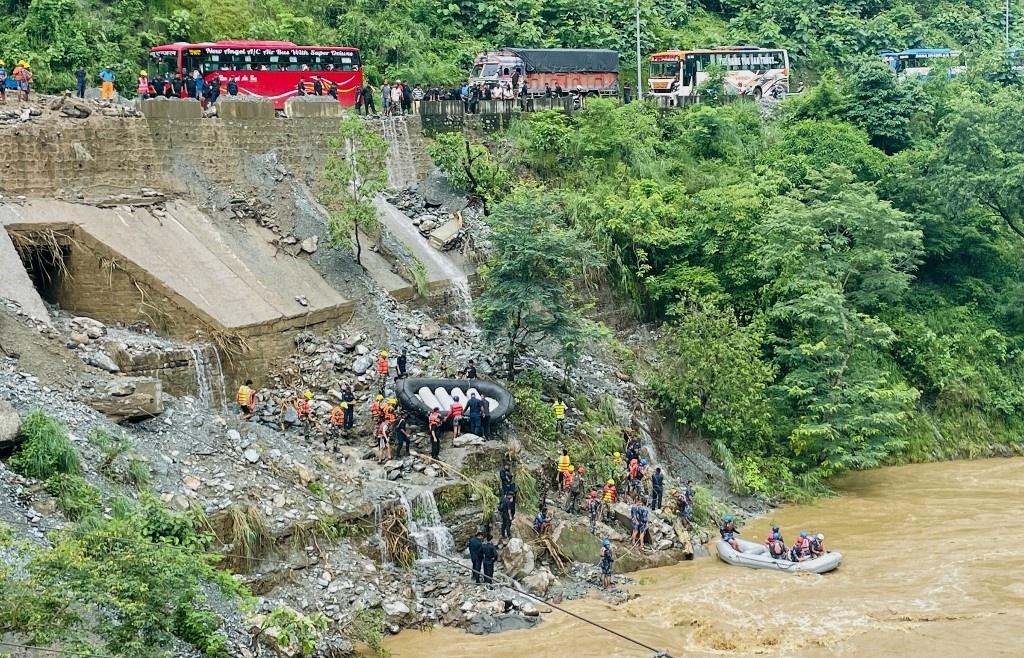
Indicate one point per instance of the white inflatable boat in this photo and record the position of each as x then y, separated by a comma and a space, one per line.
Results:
756, 556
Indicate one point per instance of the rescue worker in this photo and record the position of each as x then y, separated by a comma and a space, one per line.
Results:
633, 479
608, 498
476, 544
775, 546
657, 488
728, 531
142, 87
389, 410
434, 425
801, 550
488, 555
607, 561
638, 521
456, 415
377, 409
817, 545
401, 363
575, 491
475, 408
776, 531
336, 422
401, 435
507, 511
305, 412
593, 505
383, 366
632, 450
559, 410
506, 477
564, 466
617, 462
246, 399
349, 398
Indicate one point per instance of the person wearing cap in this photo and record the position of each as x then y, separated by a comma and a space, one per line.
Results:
383, 366
507, 512
142, 86
401, 364
607, 560
305, 412
608, 496
593, 505
80, 77
389, 410
817, 545
728, 531
775, 547
107, 78
377, 409
801, 549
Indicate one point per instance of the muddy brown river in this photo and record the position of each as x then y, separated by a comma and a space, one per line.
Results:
933, 566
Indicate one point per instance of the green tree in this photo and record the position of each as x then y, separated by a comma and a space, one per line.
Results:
470, 167
882, 105
355, 173
528, 292
833, 255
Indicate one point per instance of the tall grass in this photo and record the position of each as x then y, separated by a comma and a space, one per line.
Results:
247, 533
46, 450
76, 498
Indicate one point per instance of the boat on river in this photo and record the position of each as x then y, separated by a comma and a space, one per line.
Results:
422, 394
755, 556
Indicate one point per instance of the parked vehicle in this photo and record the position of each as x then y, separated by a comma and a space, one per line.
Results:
596, 72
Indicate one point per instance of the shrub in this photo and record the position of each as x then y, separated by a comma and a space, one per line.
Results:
46, 449
76, 498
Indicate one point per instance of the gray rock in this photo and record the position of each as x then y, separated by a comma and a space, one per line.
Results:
234, 436
485, 624
251, 455
429, 330
291, 416
310, 244
467, 439
362, 364
518, 558
427, 226
101, 361
538, 582
10, 426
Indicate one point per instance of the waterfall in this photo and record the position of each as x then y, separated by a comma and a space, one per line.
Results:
378, 520
433, 538
210, 387
401, 163
461, 303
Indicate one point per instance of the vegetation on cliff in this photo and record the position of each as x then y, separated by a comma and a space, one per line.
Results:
839, 286
432, 41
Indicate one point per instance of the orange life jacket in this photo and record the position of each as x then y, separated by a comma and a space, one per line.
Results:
434, 419
568, 479
337, 416
389, 413
302, 406
375, 409
383, 366
609, 493
456, 410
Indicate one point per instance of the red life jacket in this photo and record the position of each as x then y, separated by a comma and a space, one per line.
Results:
302, 406
434, 419
634, 469
383, 365
456, 410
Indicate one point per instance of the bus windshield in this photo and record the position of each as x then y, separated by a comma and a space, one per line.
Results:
485, 71
665, 69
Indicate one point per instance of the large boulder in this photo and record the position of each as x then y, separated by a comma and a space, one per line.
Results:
517, 558
362, 364
10, 426
576, 543
125, 398
486, 624
538, 582
438, 192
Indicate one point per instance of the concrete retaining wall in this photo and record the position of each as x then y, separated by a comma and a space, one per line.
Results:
170, 108
244, 108
103, 155
306, 107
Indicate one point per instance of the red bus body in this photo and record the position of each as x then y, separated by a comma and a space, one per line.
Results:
263, 68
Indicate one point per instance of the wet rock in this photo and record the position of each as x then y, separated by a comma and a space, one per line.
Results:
538, 582
10, 426
486, 624
427, 226
518, 558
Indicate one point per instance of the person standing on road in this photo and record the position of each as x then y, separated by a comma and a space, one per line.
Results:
107, 84
368, 102
476, 544
385, 98
80, 82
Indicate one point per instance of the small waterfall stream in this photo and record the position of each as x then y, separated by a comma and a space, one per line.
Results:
401, 164
210, 387
432, 537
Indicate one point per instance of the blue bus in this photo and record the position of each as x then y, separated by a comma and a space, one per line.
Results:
918, 62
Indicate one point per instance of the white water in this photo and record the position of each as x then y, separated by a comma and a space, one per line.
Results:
401, 165
433, 538
210, 387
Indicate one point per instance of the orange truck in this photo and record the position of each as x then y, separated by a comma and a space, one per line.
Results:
594, 72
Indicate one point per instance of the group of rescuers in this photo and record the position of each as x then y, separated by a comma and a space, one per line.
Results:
806, 547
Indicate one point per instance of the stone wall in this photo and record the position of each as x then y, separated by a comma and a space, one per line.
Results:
102, 155
490, 116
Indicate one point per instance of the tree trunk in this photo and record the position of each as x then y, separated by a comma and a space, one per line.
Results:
511, 361
359, 246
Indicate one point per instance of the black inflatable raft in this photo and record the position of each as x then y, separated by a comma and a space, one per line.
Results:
421, 395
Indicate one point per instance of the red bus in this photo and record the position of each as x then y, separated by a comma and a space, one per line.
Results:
263, 68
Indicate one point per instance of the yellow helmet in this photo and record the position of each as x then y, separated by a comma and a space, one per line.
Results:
616, 455
308, 395
1, 62
611, 481
380, 397
383, 353
393, 401
143, 73
343, 405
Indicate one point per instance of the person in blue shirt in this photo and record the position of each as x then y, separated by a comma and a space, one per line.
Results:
107, 88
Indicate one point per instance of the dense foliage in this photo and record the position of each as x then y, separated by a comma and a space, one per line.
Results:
839, 283
432, 41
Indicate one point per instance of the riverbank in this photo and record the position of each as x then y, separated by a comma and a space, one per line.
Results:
920, 577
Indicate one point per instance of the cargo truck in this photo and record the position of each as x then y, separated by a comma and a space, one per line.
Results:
595, 72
